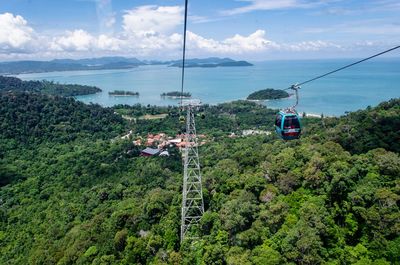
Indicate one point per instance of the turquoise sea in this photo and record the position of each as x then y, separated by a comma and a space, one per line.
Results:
351, 89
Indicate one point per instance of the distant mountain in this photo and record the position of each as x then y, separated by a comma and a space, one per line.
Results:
37, 67
210, 62
21, 67
102, 63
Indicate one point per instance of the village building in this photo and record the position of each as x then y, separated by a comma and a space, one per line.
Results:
150, 151
161, 141
164, 153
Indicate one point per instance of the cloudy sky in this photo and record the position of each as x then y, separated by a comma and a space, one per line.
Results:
241, 29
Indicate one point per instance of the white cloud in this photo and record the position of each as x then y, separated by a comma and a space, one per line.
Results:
108, 43
202, 19
254, 42
254, 5
15, 34
105, 15
310, 46
150, 31
263, 5
153, 43
110, 21
77, 40
80, 41
237, 44
153, 19
103, 4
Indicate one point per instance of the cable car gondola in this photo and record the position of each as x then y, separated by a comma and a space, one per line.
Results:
287, 122
288, 125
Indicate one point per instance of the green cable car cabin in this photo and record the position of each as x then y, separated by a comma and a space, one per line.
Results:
288, 125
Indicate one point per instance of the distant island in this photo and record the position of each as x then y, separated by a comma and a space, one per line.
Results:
268, 93
123, 93
211, 62
177, 94
103, 63
13, 84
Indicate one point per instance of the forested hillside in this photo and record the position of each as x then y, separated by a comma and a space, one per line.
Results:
14, 84
364, 130
30, 117
73, 194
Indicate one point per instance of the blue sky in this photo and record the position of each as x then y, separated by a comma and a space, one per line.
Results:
241, 29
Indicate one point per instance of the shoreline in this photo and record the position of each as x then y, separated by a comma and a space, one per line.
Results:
123, 95
175, 97
308, 114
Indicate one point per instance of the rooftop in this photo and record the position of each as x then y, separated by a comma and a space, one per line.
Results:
151, 151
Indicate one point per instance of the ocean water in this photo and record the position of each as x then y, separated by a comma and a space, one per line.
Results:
354, 88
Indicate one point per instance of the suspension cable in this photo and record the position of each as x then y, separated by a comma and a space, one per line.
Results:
341, 68
184, 51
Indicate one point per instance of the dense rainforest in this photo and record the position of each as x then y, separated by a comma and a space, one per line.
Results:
46, 87
73, 192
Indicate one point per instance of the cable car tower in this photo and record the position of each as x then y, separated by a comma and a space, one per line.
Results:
192, 193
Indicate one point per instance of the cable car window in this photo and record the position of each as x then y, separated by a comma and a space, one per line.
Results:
278, 120
291, 122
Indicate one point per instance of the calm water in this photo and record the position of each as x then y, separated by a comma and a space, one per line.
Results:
352, 89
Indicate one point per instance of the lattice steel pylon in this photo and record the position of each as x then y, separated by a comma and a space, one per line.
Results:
192, 193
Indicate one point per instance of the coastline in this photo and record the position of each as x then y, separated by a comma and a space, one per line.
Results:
123, 95
229, 84
175, 97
